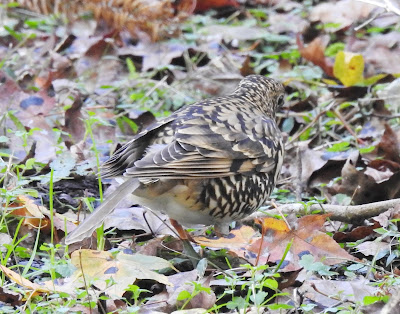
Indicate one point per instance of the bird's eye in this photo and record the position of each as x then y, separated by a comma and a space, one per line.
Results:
281, 100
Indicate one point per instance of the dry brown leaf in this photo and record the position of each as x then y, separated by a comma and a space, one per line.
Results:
237, 241
231, 32
204, 5
307, 239
311, 162
355, 234
137, 218
315, 53
389, 145
290, 22
10, 297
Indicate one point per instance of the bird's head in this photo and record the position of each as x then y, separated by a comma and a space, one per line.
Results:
265, 93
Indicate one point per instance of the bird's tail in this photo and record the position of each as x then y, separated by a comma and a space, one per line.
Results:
96, 218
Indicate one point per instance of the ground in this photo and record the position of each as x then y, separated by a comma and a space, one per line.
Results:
76, 84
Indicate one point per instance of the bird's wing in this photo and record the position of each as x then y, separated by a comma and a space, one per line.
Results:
125, 157
86, 228
207, 146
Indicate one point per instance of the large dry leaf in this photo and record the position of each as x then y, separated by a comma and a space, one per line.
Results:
124, 269
306, 237
374, 248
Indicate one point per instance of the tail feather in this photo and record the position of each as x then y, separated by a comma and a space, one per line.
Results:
96, 218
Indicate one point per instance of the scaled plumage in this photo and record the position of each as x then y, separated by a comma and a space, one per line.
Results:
211, 162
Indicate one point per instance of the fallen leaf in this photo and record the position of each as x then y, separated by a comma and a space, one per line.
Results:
137, 218
315, 53
10, 297
377, 175
33, 287
155, 55
5, 240
242, 32
290, 22
30, 208
389, 145
311, 162
32, 113
124, 269
237, 241
381, 52
183, 282
349, 68
341, 13
328, 293
391, 94
307, 239
355, 234
374, 248
204, 5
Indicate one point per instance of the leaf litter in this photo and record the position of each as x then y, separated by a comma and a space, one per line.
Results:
71, 93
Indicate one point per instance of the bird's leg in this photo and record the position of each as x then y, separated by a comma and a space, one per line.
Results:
183, 234
188, 249
221, 229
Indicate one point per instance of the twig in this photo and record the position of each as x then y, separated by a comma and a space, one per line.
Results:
393, 303
347, 126
299, 174
84, 280
376, 15
386, 117
315, 120
386, 4
348, 214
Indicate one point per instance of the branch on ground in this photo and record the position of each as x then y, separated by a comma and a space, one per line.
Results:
348, 214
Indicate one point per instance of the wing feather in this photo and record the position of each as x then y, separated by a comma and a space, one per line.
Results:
203, 148
126, 156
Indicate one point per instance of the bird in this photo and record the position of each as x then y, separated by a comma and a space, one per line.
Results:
211, 162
